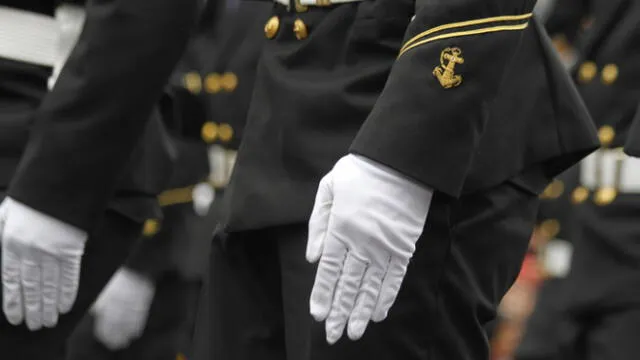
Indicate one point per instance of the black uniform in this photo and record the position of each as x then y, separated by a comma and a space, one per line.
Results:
163, 255
88, 106
484, 116
229, 57
602, 300
550, 331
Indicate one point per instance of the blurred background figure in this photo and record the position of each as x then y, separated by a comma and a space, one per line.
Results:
204, 109
588, 306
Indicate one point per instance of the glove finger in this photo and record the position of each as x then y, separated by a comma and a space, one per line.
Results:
69, 283
345, 297
319, 220
50, 286
32, 289
390, 288
366, 302
327, 276
11, 288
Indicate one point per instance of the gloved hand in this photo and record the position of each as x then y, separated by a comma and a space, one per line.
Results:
363, 229
122, 309
41, 259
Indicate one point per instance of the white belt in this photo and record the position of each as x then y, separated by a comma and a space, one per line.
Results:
316, 2
611, 168
27, 37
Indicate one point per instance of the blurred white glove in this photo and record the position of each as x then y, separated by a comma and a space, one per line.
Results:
122, 309
363, 229
203, 196
41, 259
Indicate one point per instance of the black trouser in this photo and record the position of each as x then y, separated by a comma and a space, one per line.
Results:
166, 332
106, 250
468, 256
603, 288
550, 333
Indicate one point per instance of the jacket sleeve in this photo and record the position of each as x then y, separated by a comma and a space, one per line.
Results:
429, 119
88, 125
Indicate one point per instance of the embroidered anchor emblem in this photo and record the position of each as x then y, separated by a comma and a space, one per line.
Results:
445, 73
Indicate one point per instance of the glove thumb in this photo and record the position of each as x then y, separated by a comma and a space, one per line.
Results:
319, 221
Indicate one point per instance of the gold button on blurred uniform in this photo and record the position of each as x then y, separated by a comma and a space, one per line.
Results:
606, 134
181, 357
587, 72
151, 227
610, 74
271, 27
550, 228
212, 83
192, 82
605, 196
580, 195
210, 132
225, 132
553, 190
229, 81
300, 29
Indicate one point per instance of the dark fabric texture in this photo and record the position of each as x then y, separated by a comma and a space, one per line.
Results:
517, 112
466, 260
89, 105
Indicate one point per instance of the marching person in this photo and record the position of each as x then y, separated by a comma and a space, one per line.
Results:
602, 303
36, 246
432, 108
430, 138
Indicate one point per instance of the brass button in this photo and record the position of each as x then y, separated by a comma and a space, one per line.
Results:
212, 83
181, 356
553, 190
580, 195
210, 132
151, 227
550, 228
300, 29
225, 132
605, 196
301, 8
229, 81
606, 134
271, 27
192, 82
610, 74
587, 72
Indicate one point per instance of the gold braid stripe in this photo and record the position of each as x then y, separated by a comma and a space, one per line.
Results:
508, 18
176, 196
466, 33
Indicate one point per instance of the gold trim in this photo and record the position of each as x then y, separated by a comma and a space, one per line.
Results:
176, 196
466, 33
465, 24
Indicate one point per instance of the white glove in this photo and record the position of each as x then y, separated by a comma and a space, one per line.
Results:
122, 309
41, 259
363, 229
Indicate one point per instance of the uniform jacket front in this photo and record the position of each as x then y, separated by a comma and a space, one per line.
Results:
467, 95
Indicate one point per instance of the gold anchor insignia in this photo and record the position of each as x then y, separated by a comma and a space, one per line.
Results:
445, 73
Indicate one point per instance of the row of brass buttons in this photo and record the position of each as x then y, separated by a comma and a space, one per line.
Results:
589, 70
272, 27
213, 83
212, 132
603, 196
